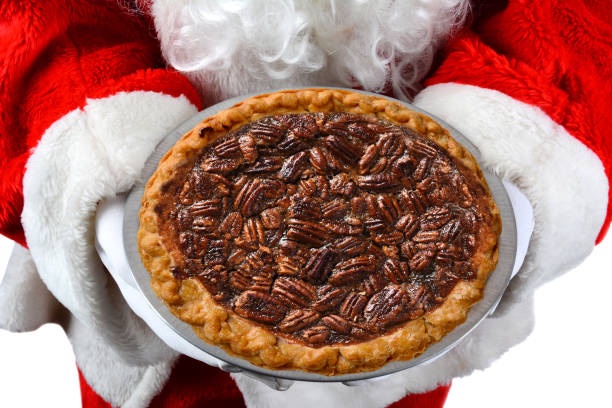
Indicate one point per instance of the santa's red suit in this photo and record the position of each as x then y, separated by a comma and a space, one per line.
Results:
88, 88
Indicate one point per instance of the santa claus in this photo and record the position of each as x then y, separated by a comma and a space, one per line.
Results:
90, 87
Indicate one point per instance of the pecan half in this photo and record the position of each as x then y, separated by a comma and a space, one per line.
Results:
337, 323
237, 257
388, 208
450, 231
291, 144
352, 270
253, 231
422, 147
305, 208
351, 245
248, 148
329, 298
426, 236
307, 232
316, 334
375, 226
435, 217
260, 307
229, 148
367, 160
422, 168
345, 150
388, 238
421, 261
304, 126
272, 218
220, 165
294, 166
388, 306
317, 160
298, 319
342, 184
353, 305
288, 266
240, 279
268, 164
378, 182
232, 224
409, 224
208, 208
413, 201
335, 209
320, 264
255, 194
247, 196
391, 144
268, 131
295, 291
396, 271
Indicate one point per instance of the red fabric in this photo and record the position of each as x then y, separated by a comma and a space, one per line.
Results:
89, 398
194, 384
565, 70
54, 55
432, 399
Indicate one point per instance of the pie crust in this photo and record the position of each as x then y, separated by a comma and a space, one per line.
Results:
397, 249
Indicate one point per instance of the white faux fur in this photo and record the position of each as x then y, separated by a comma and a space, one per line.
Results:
89, 154
25, 302
230, 48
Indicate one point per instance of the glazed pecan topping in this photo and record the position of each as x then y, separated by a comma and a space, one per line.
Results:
325, 228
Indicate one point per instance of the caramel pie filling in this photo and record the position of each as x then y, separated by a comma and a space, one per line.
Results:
325, 228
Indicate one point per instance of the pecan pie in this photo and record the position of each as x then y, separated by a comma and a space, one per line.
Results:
322, 230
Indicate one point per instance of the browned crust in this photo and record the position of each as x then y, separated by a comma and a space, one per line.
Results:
191, 302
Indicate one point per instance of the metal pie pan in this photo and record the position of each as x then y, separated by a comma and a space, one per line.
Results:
496, 284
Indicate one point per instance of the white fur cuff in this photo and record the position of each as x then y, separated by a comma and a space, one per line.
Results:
85, 156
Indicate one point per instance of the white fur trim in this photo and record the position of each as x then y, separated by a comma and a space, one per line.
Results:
86, 155
25, 301
230, 48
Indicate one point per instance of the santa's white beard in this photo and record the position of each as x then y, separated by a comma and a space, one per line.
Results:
230, 48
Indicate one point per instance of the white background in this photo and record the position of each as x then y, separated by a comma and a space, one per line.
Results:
564, 363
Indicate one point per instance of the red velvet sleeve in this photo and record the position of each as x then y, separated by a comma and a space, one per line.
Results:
56, 54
